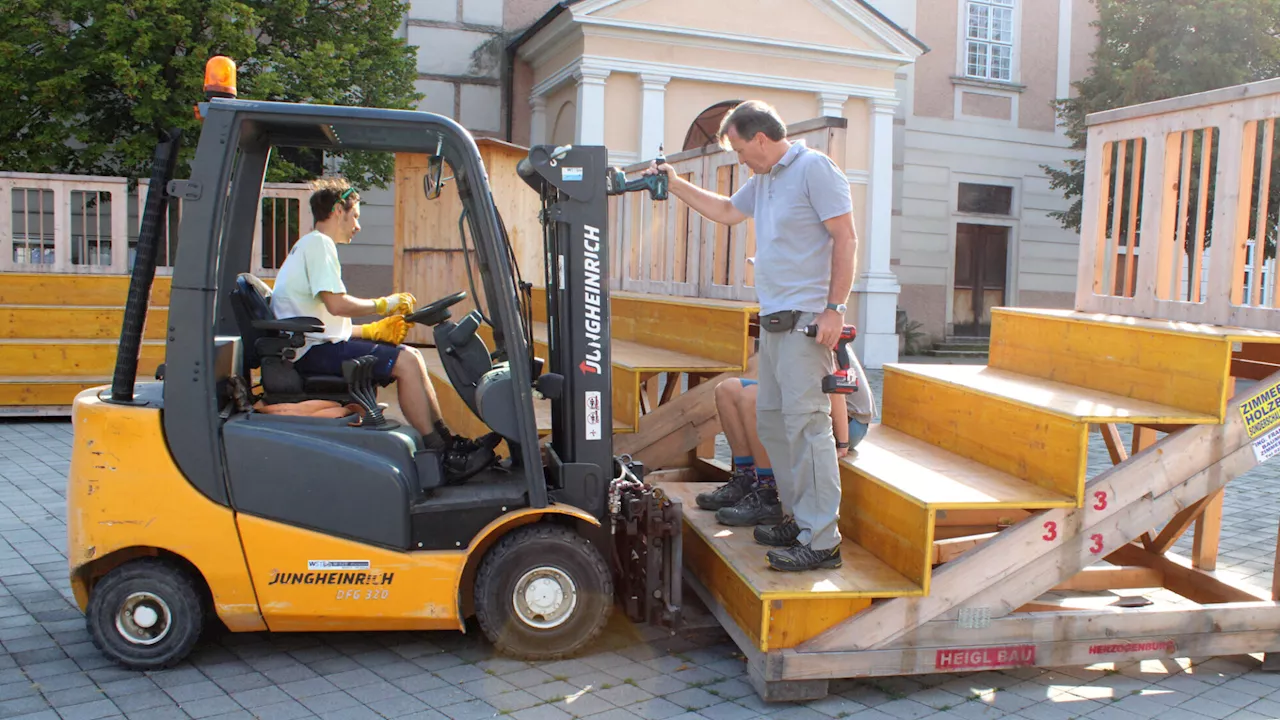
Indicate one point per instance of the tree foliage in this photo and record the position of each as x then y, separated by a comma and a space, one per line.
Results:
88, 85
1150, 50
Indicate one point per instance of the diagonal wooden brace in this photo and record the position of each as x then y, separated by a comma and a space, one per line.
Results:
1045, 550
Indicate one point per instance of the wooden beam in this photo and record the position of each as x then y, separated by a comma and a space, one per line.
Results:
949, 549
1204, 548
1181, 577
1252, 370
1174, 529
1111, 436
1094, 579
1001, 517
951, 532
1028, 559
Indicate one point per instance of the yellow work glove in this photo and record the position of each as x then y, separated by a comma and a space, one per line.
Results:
390, 329
398, 303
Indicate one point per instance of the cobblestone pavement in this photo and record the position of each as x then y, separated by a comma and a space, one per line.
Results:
49, 669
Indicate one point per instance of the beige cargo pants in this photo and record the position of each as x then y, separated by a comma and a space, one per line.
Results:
793, 417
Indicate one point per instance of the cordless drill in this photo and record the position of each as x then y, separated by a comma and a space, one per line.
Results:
844, 381
616, 182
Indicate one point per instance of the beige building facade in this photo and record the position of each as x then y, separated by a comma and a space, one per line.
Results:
947, 105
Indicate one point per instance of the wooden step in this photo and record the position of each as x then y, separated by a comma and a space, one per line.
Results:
95, 322
894, 486
69, 289
78, 358
778, 610
633, 362
1173, 364
709, 328
46, 395
1031, 428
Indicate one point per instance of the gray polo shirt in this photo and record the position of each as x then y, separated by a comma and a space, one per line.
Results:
793, 247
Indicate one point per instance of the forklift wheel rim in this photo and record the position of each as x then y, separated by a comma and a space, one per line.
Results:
545, 598
139, 606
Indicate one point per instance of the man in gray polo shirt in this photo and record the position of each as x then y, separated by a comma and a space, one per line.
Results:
805, 249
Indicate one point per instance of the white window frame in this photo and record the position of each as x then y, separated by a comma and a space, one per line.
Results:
985, 73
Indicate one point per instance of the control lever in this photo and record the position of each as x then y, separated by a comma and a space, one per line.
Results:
657, 185
359, 376
844, 381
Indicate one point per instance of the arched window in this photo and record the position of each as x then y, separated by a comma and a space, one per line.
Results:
704, 128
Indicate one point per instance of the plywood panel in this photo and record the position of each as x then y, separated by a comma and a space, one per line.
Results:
95, 358
715, 333
729, 588
65, 289
84, 323
1032, 444
47, 391
791, 622
894, 529
1183, 370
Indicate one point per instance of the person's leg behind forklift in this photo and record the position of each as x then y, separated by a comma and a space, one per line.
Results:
414, 391
735, 407
795, 423
766, 503
745, 510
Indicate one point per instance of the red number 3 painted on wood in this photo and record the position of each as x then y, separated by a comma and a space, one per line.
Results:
1101, 497
1052, 527
1097, 544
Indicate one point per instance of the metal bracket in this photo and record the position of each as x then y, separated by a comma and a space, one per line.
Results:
183, 189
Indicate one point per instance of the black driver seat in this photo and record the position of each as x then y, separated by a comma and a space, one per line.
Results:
271, 344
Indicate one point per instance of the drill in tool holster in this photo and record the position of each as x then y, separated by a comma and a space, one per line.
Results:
844, 381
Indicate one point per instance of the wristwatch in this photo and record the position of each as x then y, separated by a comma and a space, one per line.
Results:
841, 308
841, 445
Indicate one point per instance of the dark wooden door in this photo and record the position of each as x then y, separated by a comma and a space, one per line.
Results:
982, 258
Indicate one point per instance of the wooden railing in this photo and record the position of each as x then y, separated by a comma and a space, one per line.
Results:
667, 248
89, 225
1180, 206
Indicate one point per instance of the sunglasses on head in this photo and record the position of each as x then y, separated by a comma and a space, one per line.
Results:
343, 197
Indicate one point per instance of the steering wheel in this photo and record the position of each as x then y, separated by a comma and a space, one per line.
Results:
437, 312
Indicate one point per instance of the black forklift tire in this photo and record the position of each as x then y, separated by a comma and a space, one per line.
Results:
157, 591
550, 554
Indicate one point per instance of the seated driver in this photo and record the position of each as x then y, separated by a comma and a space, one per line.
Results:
309, 284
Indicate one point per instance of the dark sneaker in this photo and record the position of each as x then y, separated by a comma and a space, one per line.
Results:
783, 534
464, 458
759, 507
730, 493
798, 558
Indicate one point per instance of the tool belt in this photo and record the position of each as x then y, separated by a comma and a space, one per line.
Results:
781, 321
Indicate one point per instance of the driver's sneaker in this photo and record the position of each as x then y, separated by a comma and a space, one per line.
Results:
758, 507
783, 534
464, 457
730, 493
799, 558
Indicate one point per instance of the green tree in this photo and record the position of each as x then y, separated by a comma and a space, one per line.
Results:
89, 84
1155, 49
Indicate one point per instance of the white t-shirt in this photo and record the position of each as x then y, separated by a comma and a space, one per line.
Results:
311, 268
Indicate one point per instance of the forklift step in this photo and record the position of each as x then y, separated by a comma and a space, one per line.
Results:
778, 610
1175, 364
79, 358
86, 322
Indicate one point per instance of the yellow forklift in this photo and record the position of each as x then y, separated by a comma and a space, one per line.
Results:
187, 507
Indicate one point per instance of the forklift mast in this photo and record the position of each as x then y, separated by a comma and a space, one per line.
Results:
571, 182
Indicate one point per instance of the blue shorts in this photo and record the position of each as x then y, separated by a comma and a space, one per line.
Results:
327, 358
857, 429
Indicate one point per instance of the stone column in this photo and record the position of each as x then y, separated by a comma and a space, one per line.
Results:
538, 120
590, 130
876, 285
831, 104
653, 115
